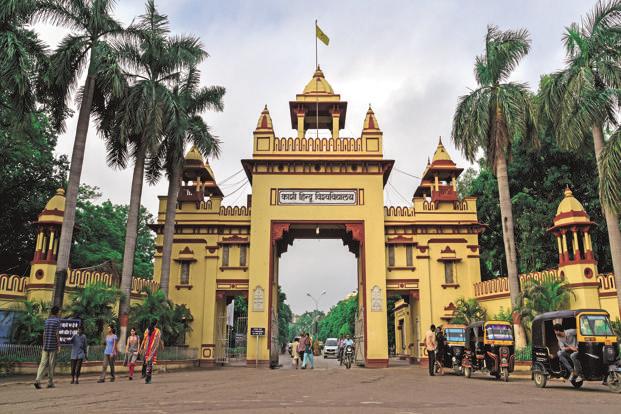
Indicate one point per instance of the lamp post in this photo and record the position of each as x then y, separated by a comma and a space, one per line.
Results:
314, 323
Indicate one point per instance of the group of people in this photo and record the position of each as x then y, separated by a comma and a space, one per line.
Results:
305, 348
135, 349
435, 344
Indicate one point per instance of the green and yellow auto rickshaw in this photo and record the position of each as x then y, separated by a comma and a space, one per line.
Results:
490, 348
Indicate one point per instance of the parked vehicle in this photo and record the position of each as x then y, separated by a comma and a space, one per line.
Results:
489, 348
348, 356
598, 348
331, 348
455, 346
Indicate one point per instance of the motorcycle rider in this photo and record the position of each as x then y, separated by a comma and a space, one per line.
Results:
347, 342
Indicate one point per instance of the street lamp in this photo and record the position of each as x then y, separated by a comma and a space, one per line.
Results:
316, 308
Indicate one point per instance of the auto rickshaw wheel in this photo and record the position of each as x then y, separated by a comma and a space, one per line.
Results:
467, 372
505, 374
457, 370
577, 384
540, 379
614, 382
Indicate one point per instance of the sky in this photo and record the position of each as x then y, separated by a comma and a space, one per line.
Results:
410, 59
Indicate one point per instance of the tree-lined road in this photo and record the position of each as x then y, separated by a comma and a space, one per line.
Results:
328, 388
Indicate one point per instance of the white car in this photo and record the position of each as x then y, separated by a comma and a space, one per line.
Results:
331, 348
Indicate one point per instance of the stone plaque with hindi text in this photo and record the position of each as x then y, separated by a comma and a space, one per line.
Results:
348, 197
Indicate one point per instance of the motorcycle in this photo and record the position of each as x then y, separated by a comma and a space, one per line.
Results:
348, 356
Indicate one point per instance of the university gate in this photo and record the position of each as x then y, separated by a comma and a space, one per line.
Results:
319, 185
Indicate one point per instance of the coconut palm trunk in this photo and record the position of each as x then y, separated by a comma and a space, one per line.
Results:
508, 236
169, 227
612, 221
130, 239
73, 186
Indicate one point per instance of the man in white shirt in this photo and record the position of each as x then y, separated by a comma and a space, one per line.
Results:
431, 345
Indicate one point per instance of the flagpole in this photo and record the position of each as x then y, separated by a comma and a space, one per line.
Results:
316, 87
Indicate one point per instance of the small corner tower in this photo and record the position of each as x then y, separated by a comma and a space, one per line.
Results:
264, 133
439, 179
577, 265
371, 133
48, 227
198, 180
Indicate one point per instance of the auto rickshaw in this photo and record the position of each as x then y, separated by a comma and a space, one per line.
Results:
453, 350
598, 348
489, 348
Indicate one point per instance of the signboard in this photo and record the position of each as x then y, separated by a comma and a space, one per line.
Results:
318, 197
258, 299
257, 331
68, 327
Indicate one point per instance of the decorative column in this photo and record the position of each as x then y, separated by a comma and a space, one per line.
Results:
576, 246
336, 116
436, 183
50, 249
560, 248
300, 112
565, 248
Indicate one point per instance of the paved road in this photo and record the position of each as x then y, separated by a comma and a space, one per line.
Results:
327, 388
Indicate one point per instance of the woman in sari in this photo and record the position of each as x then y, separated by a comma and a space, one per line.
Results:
150, 344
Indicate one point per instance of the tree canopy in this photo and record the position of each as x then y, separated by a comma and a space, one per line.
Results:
29, 176
100, 234
537, 178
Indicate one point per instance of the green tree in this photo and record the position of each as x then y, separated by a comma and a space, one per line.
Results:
582, 100
542, 296
29, 177
340, 319
94, 305
91, 24
305, 322
187, 127
468, 311
285, 316
22, 56
152, 60
173, 320
100, 234
493, 117
537, 178
29, 322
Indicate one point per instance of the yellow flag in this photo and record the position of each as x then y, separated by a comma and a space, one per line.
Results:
321, 35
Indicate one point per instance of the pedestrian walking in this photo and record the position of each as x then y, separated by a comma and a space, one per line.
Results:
431, 346
51, 346
132, 349
78, 354
301, 347
109, 354
308, 352
295, 355
150, 343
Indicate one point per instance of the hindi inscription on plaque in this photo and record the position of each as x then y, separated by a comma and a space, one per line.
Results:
348, 197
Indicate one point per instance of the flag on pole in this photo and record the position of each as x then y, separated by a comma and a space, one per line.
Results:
321, 35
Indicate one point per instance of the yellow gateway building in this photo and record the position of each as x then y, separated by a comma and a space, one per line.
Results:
331, 188
426, 255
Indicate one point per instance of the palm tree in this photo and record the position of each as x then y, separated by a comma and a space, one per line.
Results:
468, 311
542, 296
94, 305
582, 101
494, 116
153, 62
92, 24
22, 55
186, 127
